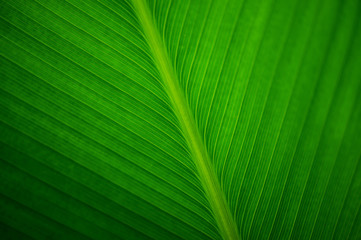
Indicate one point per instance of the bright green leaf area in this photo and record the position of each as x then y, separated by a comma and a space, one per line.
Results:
183, 119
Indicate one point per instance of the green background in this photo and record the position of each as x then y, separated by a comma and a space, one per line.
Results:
92, 147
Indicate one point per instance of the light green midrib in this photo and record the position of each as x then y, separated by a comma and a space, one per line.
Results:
221, 212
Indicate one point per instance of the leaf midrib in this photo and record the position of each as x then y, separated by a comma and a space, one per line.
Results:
216, 198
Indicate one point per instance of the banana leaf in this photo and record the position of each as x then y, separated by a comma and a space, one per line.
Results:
180, 119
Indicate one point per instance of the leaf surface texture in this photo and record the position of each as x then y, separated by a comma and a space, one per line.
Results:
192, 119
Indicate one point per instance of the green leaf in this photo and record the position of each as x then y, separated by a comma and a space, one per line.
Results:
147, 119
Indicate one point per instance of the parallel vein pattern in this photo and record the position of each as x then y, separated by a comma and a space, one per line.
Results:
180, 119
